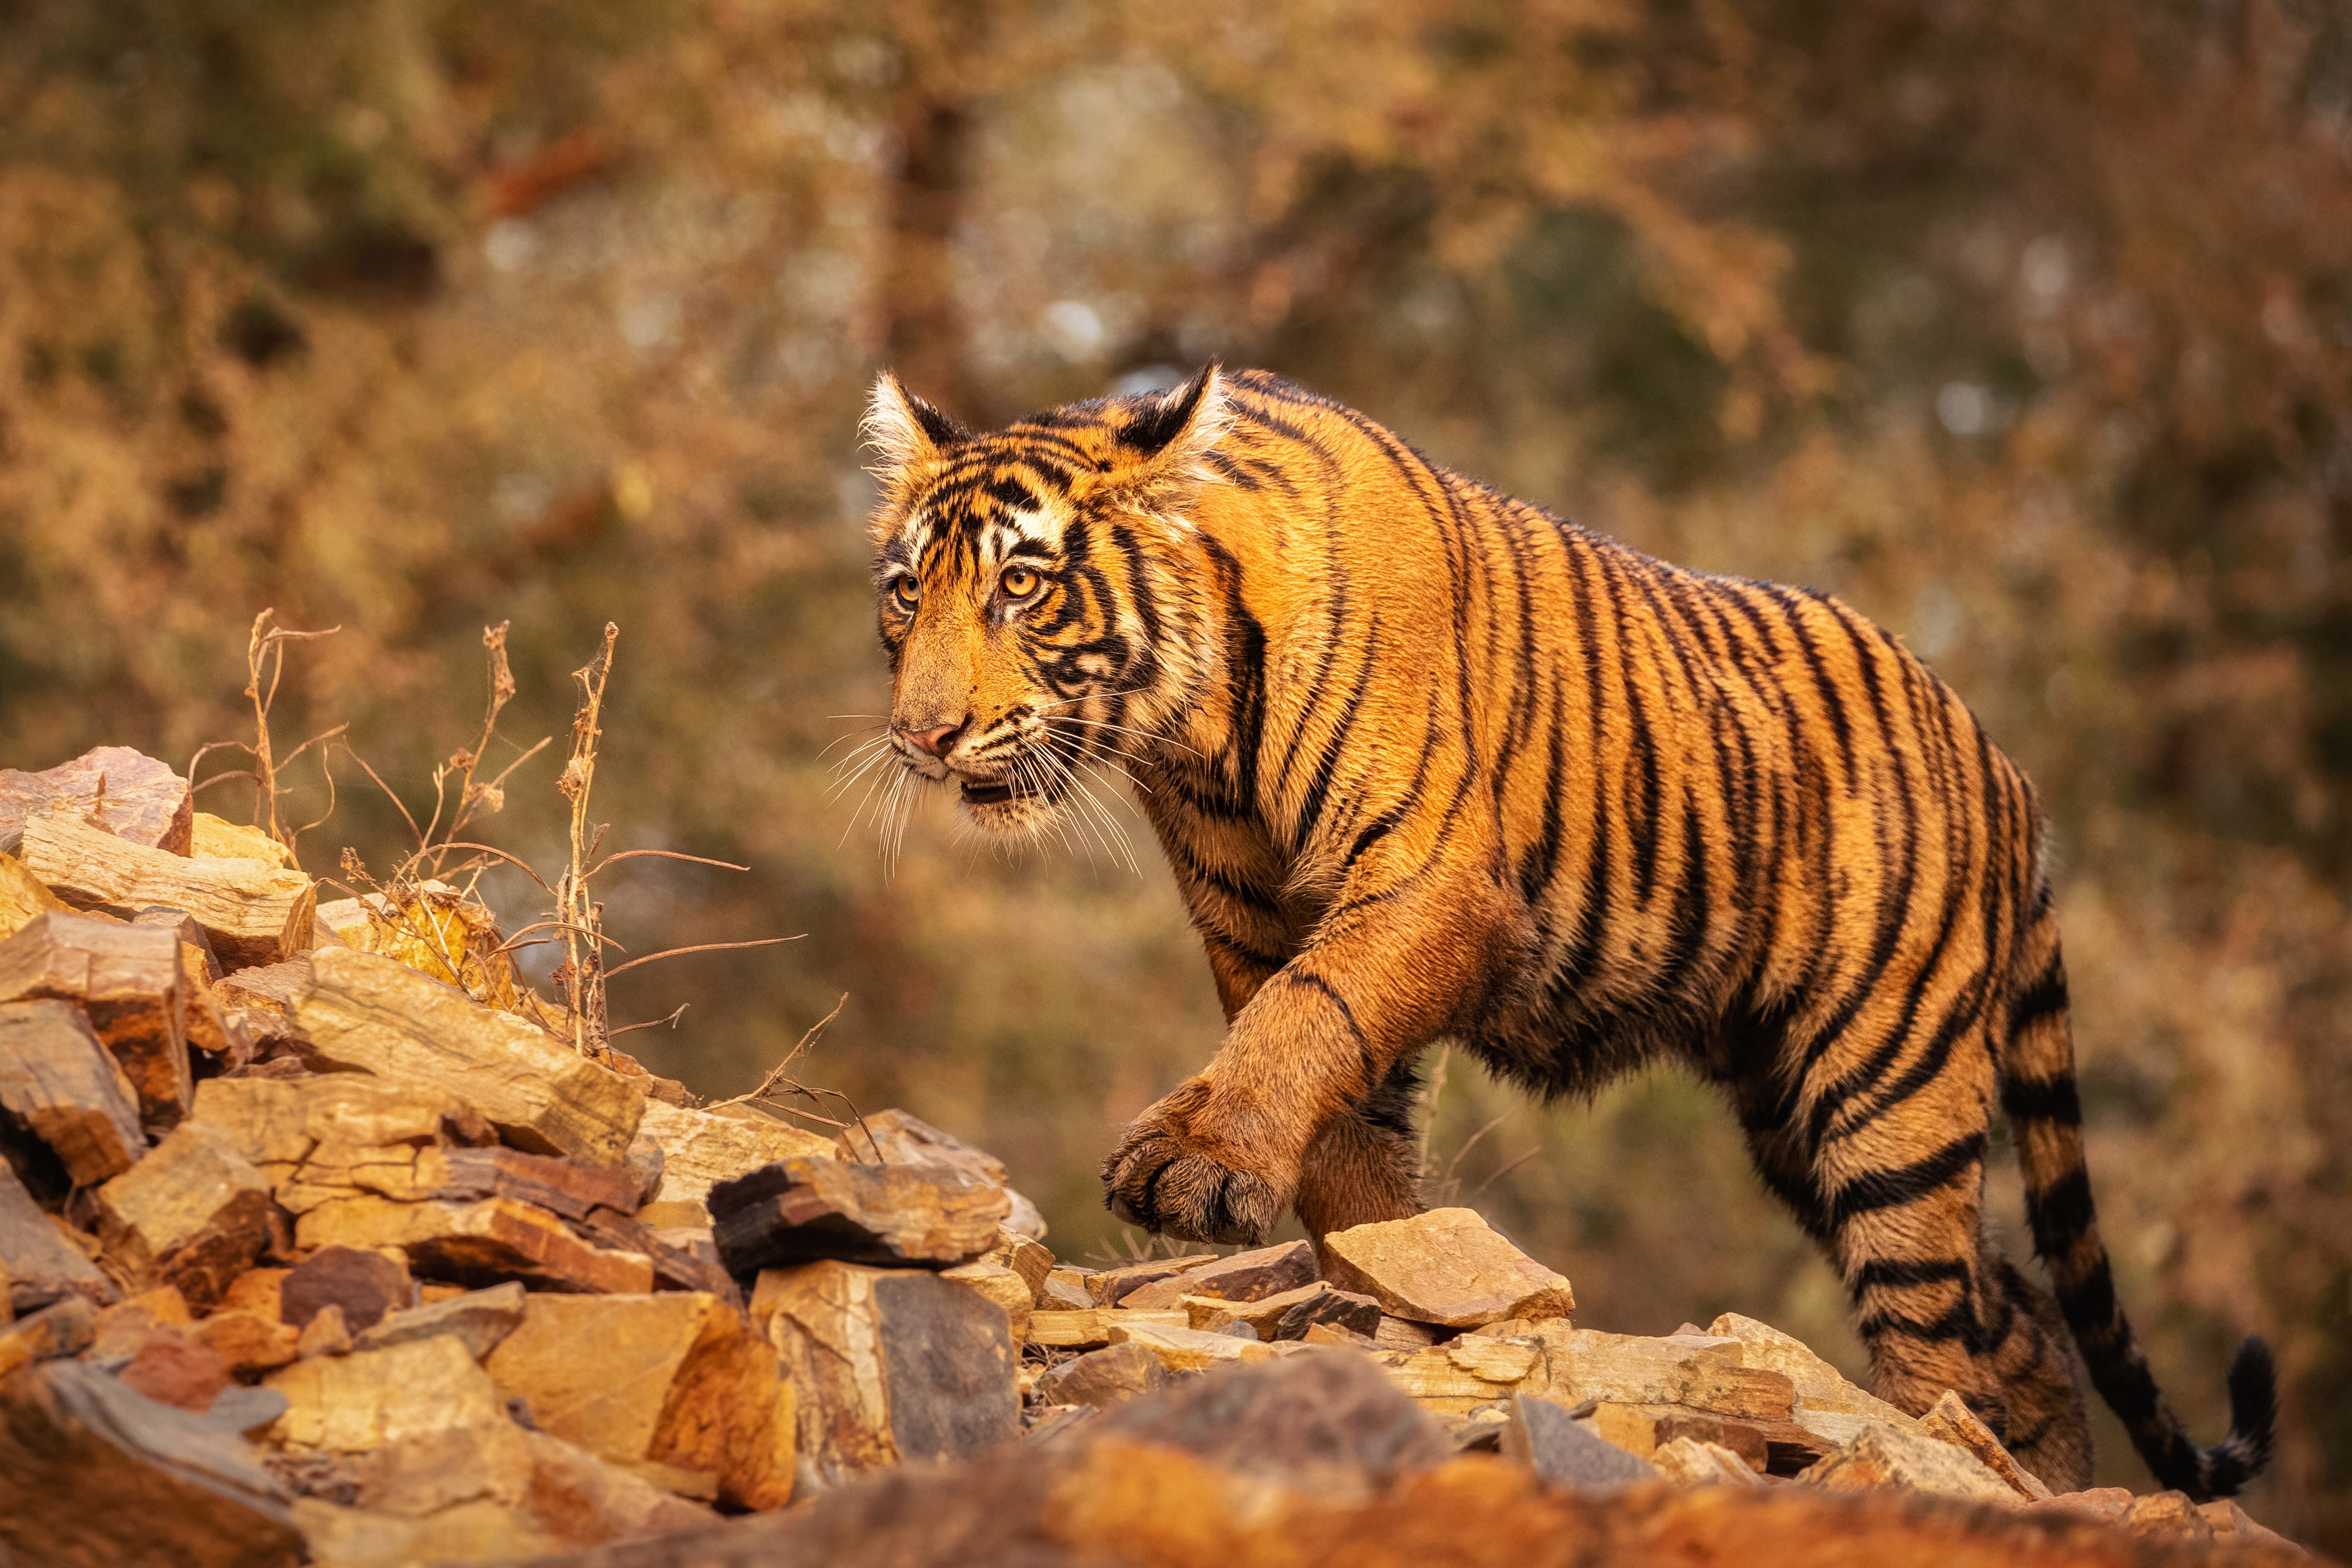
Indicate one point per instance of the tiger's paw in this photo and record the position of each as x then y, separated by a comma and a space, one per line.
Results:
1162, 1177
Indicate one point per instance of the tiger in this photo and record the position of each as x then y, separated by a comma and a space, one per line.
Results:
1430, 763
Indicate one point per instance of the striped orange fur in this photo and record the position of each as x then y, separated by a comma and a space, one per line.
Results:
1430, 762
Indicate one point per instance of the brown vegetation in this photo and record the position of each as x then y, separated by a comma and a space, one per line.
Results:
2022, 328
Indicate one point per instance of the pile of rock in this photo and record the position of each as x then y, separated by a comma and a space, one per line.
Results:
310, 1256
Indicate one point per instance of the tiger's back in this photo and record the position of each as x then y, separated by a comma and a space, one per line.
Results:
1428, 761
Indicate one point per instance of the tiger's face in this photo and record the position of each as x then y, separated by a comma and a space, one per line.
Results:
1023, 594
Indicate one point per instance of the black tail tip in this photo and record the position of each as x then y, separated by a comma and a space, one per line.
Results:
2253, 1422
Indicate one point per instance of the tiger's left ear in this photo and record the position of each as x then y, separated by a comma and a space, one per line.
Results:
1165, 443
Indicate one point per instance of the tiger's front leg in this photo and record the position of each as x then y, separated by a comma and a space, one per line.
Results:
1220, 1158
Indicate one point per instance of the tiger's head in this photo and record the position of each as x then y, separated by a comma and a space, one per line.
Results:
1031, 599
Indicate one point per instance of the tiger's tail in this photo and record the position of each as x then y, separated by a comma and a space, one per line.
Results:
2037, 1093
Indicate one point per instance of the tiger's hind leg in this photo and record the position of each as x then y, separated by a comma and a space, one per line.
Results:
2048, 1428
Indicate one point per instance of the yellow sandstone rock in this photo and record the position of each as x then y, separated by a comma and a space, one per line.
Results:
1446, 1267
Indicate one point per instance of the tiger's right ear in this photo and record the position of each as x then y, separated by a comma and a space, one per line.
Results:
908, 433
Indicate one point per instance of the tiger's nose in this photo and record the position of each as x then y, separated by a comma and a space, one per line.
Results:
938, 742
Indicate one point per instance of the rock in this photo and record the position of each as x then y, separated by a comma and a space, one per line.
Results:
702, 1148
113, 790
1064, 1291
1820, 1389
1948, 1420
2166, 1516
1026, 1256
22, 895
350, 1403
365, 1284
96, 1475
279, 1124
1705, 1375
888, 1365
1402, 1333
122, 1329
324, 1334
897, 1137
1444, 1267
193, 1214
252, 913
568, 1493
482, 1532
217, 837
1446, 1384
802, 1209
174, 1370
644, 1163
681, 1259
248, 1342
2231, 1525
999, 1285
38, 1264
1690, 1462
1287, 1315
63, 1328
479, 1319
1333, 1333
1188, 1350
371, 1013
480, 1243
1563, 1451
1882, 1456
1105, 1378
1092, 1326
1109, 1287
1324, 1422
1243, 1277
680, 1380
127, 981
1642, 1430
60, 1088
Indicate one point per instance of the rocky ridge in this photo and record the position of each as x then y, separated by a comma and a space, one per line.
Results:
309, 1255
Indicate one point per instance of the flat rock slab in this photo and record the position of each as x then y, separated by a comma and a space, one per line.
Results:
113, 789
479, 1319
279, 1123
888, 1365
193, 1214
350, 1403
1820, 1388
1949, 1421
128, 981
22, 895
38, 1264
96, 1475
1629, 1369
1243, 1277
1111, 1287
1092, 1327
999, 1284
62, 1328
252, 913
482, 1243
701, 1148
801, 1209
362, 1283
1190, 1350
1881, 1455
59, 1089
1105, 1378
900, 1137
1446, 1267
680, 1380
370, 1012
1286, 1315
1566, 1452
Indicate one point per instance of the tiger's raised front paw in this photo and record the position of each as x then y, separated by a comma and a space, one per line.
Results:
1162, 1177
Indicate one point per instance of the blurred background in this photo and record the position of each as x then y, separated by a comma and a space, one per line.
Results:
2026, 328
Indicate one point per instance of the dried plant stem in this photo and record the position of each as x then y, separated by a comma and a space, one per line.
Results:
584, 976
265, 648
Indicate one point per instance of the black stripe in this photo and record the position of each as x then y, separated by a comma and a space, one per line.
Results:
1906, 1184
2042, 1100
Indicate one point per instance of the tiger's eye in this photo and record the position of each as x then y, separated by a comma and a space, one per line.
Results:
1020, 583
907, 590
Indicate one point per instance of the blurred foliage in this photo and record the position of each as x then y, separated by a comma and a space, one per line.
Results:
2026, 328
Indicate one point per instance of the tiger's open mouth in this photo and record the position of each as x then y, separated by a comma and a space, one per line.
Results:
994, 792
